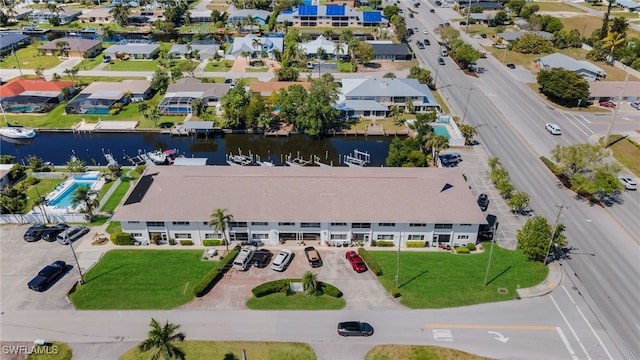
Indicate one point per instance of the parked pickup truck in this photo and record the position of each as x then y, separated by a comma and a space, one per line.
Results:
243, 260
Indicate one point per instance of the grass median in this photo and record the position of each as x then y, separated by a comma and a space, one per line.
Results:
255, 350
142, 279
297, 301
417, 352
434, 280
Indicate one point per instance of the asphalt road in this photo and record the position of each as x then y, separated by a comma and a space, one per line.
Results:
510, 121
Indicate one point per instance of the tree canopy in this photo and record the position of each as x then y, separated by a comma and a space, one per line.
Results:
564, 87
535, 236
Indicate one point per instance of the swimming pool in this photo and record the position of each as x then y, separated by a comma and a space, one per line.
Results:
441, 130
64, 198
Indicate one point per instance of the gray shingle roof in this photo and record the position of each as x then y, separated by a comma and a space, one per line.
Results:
558, 60
75, 44
132, 48
390, 49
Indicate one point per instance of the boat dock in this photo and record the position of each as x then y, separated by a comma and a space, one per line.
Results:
358, 159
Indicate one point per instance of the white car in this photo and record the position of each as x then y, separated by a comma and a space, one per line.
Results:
553, 129
282, 260
628, 183
425, 32
477, 36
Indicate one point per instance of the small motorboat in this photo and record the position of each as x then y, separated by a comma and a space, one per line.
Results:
157, 156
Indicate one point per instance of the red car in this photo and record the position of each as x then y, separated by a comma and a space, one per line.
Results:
608, 104
356, 261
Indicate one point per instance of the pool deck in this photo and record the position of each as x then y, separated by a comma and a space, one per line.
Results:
61, 188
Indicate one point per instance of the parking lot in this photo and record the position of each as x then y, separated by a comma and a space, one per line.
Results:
361, 291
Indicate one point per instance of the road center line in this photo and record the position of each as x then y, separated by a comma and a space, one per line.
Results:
566, 344
570, 327
488, 326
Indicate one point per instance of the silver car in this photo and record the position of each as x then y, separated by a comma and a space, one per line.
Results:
71, 234
282, 260
628, 183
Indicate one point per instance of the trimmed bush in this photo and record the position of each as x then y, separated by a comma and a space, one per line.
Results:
215, 274
30, 180
215, 242
385, 243
330, 290
462, 250
172, 241
272, 287
122, 239
471, 246
414, 244
186, 242
372, 264
395, 293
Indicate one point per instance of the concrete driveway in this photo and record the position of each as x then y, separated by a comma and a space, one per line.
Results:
361, 291
20, 261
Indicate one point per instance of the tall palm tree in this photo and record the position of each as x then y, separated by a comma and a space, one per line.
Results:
88, 198
256, 44
161, 341
612, 41
340, 48
395, 112
120, 13
220, 221
409, 106
435, 144
310, 283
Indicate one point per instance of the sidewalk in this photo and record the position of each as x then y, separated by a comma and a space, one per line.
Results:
545, 287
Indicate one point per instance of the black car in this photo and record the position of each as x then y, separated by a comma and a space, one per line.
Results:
433, 11
441, 61
313, 256
47, 275
420, 45
354, 328
261, 258
511, 66
411, 15
483, 202
34, 232
427, 42
49, 234
483, 35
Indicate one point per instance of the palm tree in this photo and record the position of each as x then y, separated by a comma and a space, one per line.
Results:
611, 42
154, 115
340, 48
256, 44
63, 47
54, 8
409, 106
161, 341
395, 112
310, 283
220, 221
321, 53
120, 13
435, 144
88, 198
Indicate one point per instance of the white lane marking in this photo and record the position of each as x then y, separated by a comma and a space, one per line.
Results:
570, 327
585, 119
499, 336
578, 125
566, 344
442, 335
569, 295
594, 333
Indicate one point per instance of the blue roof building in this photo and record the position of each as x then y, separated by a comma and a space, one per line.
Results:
332, 16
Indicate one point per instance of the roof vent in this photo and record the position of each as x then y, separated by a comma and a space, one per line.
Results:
446, 186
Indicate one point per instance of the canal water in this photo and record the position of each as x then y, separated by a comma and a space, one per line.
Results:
59, 147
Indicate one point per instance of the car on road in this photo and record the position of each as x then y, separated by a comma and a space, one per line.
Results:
483, 202
106, 59
34, 232
427, 42
441, 61
433, 11
628, 183
636, 105
51, 232
553, 129
483, 35
411, 15
261, 258
71, 234
511, 66
450, 159
282, 260
477, 36
463, 23
355, 328
47, 275
420, 45
313, 257
500, 46
416, 30
608, 104
356, 261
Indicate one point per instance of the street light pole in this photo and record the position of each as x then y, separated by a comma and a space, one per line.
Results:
466, 28
615, 111
553, 232
486, 274
466, 105
77, 262
398, 264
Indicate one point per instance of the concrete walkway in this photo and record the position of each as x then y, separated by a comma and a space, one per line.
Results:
548, 285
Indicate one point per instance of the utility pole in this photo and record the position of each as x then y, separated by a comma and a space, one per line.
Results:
493, 240
77, 263
553, 232
42, 205
466, 105
398, 264
615, 111
466, 27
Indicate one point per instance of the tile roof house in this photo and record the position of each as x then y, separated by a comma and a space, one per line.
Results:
177, 100
331, 16
583, 67
433, 205
372, 97
75, 47
139, 50
330, 48
395, 52
255, 45
12, 41
259, 17
66, 15
33, 95
99, 97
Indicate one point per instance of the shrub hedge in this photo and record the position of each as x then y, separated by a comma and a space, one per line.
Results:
395, 293
415, 244
462, 250
121, 239
215, 274
372, 264
215, 242
471, 246
186, 242
385, 243
330, 290
282, 285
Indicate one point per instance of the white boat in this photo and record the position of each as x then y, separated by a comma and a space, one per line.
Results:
157, 157
17, 132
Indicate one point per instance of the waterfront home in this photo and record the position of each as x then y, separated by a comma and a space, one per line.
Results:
66, 16
204, 49
319, 205
179, 96
34, 95
331, 49
97, 16
72, 47
136, 49
238, 18
266, 88
390, 51
10, 42
254, 45
99, 97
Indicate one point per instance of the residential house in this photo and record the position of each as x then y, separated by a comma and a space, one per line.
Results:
266, 88
390, 51
629, 5
331, 49
437, 207
373, 97
100, 97
205, 49
18, 13
10, 42
136, 49
74, 47
34, 95
145, 18
5, 170
200, 16
238, 18
97, 16
510, 36
482, 18
331, 16
583, 67
255, 45
610, 91
179, 96
487, 5
66, 16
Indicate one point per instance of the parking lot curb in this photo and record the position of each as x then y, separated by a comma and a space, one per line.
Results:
548, 285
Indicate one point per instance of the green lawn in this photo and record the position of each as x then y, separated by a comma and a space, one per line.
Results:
345, 66
133, 65
114, 227
118, 194
29, 58
141, 279
55, 351
627, 152
44, 187
417, 352
232, 350
297, 301
219, 66
441, 279
256, 70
